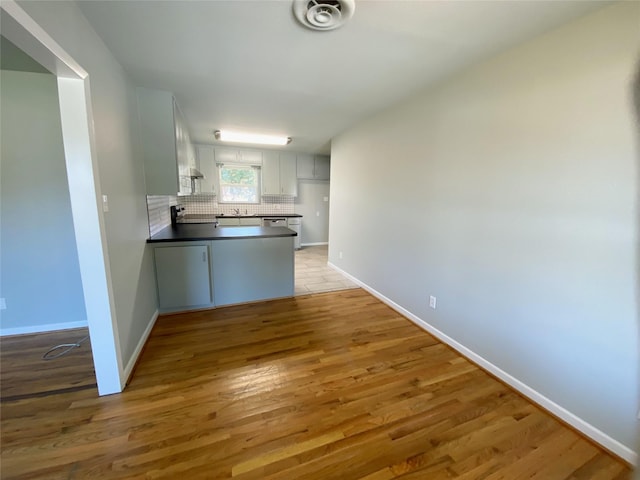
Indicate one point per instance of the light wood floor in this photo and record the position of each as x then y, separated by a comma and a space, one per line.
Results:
313, 275
328, 386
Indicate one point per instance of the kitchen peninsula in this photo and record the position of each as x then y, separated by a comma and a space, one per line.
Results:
203, 266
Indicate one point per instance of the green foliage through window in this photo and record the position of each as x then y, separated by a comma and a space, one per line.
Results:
239, 183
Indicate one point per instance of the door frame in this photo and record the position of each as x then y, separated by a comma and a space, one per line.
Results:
76, 115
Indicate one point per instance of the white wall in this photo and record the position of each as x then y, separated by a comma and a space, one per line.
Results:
40, 274
311, 205
510, 193
120, 164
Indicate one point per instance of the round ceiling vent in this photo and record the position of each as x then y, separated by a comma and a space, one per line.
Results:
323, 14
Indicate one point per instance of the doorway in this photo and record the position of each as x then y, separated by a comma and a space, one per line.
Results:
83, 188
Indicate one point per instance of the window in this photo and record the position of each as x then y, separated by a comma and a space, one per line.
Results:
239, 184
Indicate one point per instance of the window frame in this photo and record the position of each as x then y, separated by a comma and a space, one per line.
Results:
258, 185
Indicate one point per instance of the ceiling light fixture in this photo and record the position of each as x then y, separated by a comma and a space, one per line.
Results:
257, 138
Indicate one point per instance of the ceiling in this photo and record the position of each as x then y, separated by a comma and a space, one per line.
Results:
249, 65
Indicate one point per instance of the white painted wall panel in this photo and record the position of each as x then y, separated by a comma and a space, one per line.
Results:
512, 190
40, 274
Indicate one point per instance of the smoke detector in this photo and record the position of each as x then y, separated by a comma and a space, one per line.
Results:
323, 14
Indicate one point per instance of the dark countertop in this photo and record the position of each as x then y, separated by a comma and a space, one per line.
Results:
206, 231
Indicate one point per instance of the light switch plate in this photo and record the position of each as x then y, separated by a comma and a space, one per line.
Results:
105, 203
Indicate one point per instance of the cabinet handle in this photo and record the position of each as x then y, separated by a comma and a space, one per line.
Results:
204, 256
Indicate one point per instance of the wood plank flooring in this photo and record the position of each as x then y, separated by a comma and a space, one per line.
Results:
328, 386
25, 373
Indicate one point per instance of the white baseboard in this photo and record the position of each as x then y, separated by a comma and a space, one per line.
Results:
136, 353
313, 244
576, 422
5, 332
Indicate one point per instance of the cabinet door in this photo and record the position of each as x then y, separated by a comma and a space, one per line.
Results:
192, 153
245, 270
228, 222
206, 163
254, 222
270, 173
158, 134
322, 169
304, 164
226, 155
288, 178
251, 157
182, 150
183, 276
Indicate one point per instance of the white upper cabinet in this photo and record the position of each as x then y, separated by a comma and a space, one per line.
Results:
238, 156
226, 155
253, 157
271, 173
322, 165
279, 174
206, 163
185, 152
168, 152
288, 176
313, 167
305, 165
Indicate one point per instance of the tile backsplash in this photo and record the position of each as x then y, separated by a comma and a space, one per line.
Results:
208, 205
158, 211
160, 217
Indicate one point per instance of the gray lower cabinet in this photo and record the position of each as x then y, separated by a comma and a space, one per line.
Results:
204, 274
183, 276
247, 270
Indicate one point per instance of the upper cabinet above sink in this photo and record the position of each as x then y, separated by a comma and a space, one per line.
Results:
169, 154
238, 156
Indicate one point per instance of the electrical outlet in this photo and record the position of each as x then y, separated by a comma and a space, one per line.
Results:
3, 304
432, 301
325, 199
340, 255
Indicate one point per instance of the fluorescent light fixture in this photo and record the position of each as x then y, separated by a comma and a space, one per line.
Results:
241, 137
